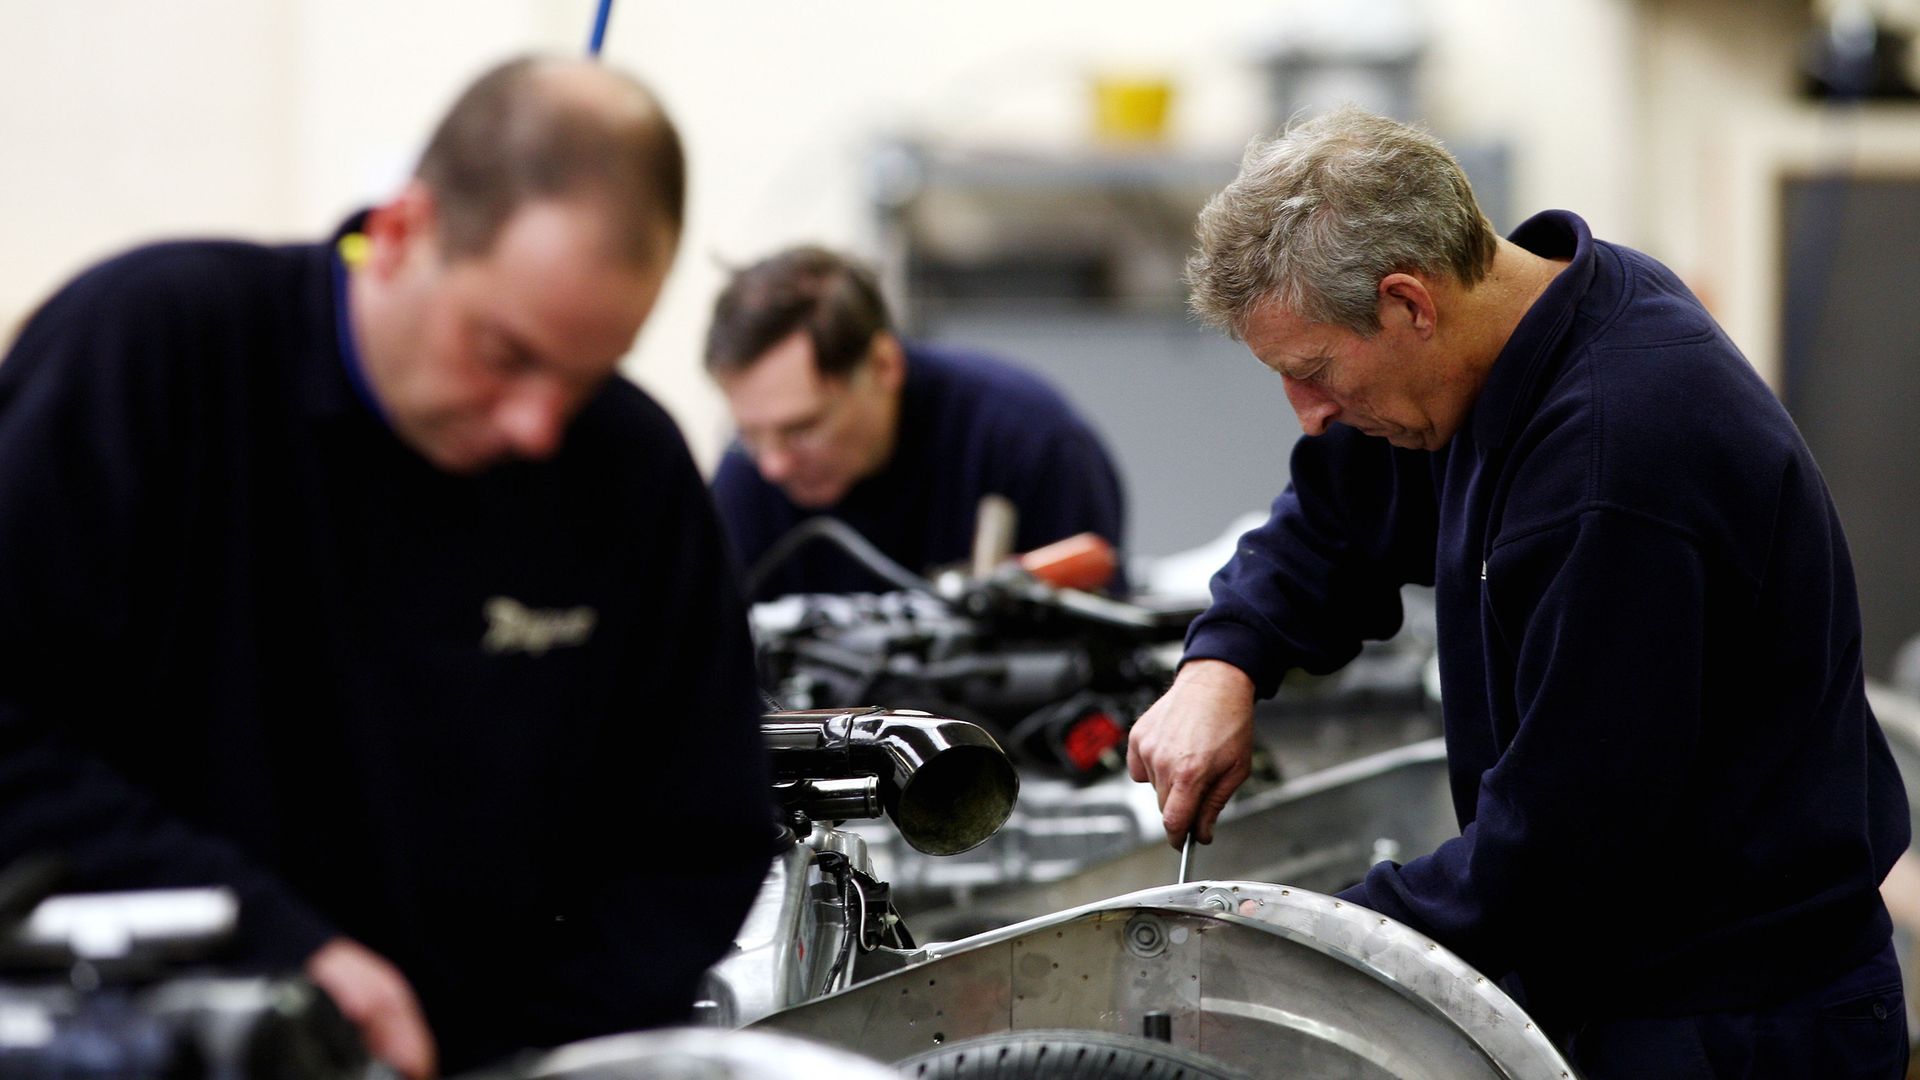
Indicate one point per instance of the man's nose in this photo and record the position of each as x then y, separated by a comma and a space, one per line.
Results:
775, 462
1312, 405
533, 422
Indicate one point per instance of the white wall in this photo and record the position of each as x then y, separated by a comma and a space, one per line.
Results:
122, 120
126, 120
1557, 79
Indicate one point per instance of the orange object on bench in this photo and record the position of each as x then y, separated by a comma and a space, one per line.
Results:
1084, 561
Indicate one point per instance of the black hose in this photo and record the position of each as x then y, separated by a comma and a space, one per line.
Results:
840, 533
842, 871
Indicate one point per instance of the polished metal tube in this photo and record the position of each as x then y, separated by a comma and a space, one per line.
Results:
832, 800
945, 783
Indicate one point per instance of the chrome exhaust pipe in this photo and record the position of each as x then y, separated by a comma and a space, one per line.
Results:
945, 783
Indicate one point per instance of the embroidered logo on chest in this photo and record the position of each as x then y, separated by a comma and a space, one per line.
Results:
515, 627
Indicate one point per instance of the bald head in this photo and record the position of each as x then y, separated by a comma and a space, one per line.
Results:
536, 129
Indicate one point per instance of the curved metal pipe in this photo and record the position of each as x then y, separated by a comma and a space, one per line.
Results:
831, 800
946, 783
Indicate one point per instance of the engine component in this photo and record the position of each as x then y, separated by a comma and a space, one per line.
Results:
945, 783
1058, 676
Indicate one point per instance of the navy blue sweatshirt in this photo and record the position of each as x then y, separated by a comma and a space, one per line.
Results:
250, 638
1672, 794
969, 426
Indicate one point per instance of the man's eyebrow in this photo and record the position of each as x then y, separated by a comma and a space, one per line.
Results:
1301, 365
521, 348
529, 354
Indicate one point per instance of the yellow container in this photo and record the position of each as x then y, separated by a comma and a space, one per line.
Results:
1131, 109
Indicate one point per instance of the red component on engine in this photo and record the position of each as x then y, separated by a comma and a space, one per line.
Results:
1084, 561
1089, 738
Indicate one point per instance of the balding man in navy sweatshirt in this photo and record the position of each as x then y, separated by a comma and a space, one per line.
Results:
351, 577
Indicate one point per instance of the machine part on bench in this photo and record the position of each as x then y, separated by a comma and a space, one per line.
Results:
946, 784
1288, 983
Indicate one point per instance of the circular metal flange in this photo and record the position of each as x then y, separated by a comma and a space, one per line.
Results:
1146, 935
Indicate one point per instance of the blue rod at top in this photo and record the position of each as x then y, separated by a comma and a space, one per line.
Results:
599, 28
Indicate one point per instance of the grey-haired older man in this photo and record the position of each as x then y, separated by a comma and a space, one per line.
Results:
1675, 803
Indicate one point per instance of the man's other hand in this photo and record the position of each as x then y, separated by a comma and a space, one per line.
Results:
378, 1000
1195, 746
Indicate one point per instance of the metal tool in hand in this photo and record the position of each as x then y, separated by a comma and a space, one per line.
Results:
1186, 857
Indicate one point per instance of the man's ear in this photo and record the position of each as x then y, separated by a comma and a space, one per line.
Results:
398, 226
889, 360
1405, 301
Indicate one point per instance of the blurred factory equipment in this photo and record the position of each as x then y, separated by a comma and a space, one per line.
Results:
114, 986
1363, 53
1843, 202
1860, 49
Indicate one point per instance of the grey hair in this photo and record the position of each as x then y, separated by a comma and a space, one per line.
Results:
1321, 213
